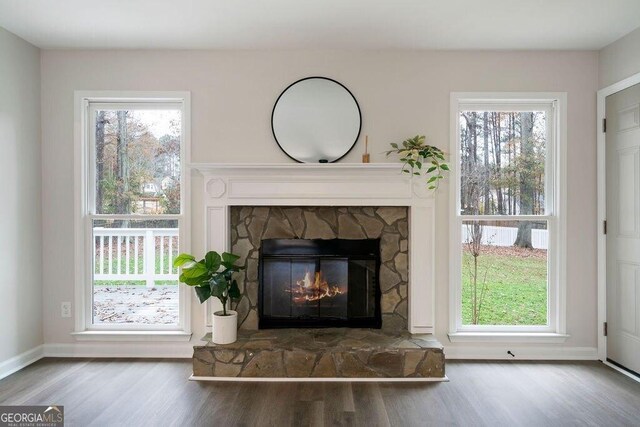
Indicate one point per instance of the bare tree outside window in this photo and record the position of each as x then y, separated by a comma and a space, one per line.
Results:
477, 278
502, 162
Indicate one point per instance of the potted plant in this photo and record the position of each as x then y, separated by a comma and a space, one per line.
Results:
420, 159
213, 276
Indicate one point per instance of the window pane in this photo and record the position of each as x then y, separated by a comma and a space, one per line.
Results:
134, 280
504, 272
502, 162
137, 161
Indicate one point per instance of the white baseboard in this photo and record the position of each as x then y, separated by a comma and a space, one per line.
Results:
20, 361
123, 349
96, 350
495, 352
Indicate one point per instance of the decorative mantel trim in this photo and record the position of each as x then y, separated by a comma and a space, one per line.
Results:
341, 184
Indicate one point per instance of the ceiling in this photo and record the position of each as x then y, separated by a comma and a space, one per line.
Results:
321, 24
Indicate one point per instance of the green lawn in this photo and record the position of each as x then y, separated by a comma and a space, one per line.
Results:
516, 288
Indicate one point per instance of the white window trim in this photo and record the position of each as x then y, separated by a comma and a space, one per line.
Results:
84, 329
555, 331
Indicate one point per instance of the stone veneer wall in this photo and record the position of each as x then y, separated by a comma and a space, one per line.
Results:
249, 225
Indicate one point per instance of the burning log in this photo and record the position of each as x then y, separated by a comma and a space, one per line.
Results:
309, 290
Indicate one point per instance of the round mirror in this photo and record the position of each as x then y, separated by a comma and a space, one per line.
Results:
316, 119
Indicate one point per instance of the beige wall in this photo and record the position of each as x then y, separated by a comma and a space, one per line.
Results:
400, 94
620, 59
20, 223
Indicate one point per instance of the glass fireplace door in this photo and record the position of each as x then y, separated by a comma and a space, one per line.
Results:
318, 290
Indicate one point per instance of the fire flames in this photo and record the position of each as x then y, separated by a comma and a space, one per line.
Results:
308, 290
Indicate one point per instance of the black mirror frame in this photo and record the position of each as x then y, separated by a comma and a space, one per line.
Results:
273, 132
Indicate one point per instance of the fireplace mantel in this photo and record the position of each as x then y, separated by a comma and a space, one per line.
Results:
339, 184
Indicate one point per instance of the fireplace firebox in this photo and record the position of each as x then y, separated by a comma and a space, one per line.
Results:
319, 283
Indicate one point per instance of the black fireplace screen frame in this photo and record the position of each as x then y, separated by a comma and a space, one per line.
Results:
318, 249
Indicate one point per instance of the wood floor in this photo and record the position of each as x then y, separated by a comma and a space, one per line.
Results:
157, 393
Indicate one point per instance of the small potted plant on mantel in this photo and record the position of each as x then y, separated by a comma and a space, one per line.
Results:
213, 276
419, 158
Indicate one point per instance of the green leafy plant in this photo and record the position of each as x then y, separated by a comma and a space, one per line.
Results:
211, 276
420, 159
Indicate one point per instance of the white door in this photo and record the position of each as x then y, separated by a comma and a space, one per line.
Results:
623, 228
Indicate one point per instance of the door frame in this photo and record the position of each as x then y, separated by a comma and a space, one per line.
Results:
602, 206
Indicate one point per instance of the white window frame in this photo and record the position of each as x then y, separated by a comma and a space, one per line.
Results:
555, 104
84, 176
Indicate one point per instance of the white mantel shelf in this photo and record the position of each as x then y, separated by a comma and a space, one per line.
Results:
329, 184
301, 169
379, 184
206, 167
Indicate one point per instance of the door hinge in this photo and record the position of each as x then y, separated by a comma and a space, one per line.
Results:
604, 329
604, 125
604, 226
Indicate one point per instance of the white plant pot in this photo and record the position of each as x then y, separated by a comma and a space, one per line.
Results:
225, 328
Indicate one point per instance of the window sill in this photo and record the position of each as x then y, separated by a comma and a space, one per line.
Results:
509, 337
141, 336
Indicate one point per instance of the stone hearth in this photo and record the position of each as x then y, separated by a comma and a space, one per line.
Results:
249, 225
322, 353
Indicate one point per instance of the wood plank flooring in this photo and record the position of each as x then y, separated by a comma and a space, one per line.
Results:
134, 392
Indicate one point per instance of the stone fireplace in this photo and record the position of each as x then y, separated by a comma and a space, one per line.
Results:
251, 227
247, 203
332, 253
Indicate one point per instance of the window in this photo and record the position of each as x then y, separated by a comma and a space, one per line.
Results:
133, 212
507, 246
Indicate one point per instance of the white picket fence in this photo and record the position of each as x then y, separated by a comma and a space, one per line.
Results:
135, 254
506, 236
